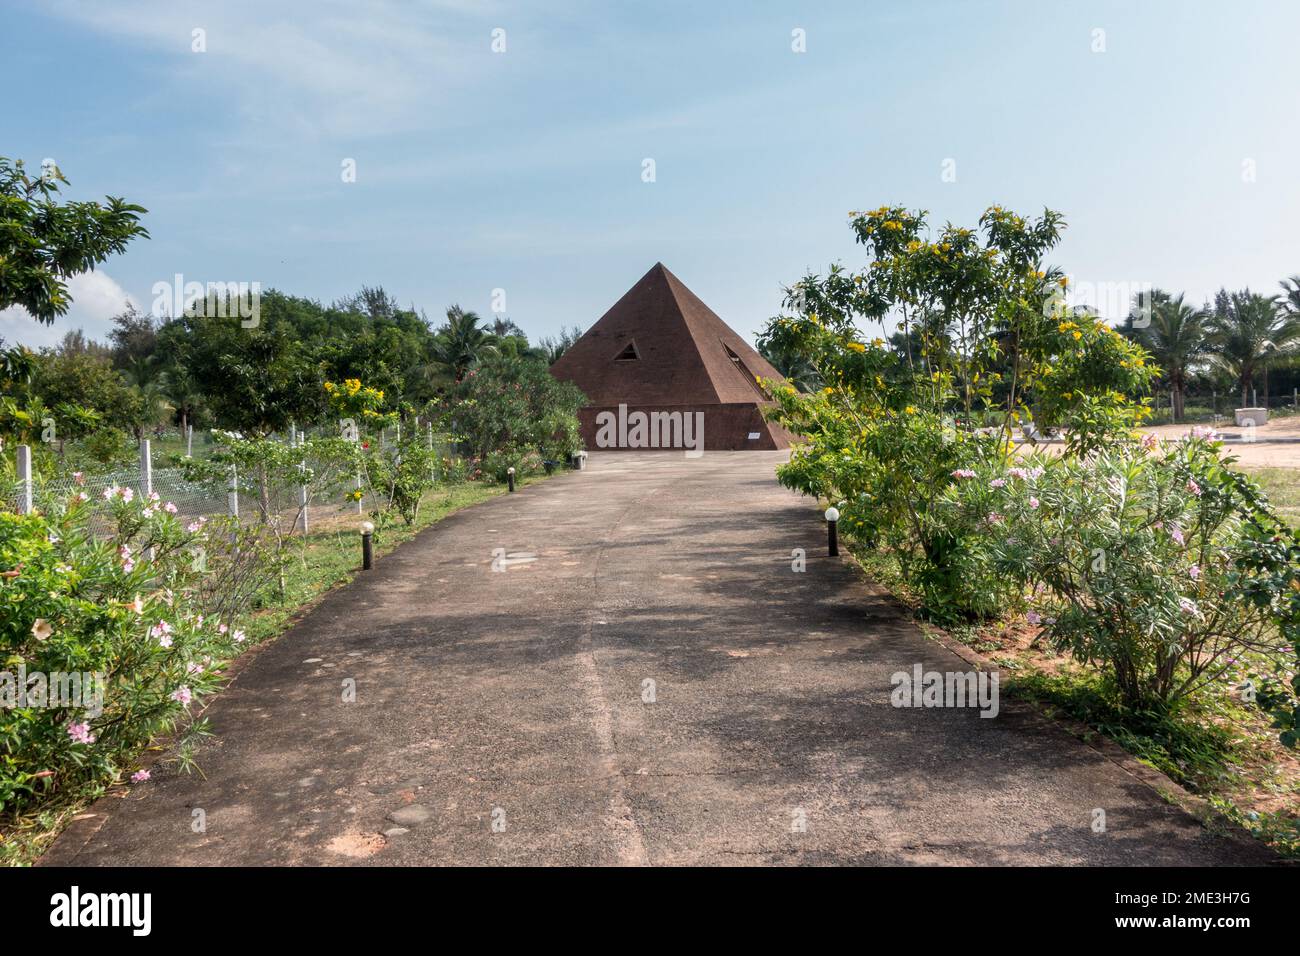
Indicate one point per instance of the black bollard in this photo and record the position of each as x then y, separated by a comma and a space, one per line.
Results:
510, 478
832, 531
367, 550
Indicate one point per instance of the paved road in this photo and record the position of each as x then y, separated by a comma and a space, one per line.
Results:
500, 715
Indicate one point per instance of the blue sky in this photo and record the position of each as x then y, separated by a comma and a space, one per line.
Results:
522, 170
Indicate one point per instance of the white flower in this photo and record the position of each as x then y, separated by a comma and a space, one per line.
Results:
42, 629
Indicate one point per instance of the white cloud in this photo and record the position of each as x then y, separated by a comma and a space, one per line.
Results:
331, 66
96, 299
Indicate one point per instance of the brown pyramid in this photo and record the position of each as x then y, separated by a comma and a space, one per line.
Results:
660, 350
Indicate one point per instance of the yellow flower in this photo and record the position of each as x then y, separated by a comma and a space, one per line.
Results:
910, 410
1077, 336
856, 347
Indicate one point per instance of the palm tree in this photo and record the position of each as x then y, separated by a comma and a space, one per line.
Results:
1289, 300
461, 343
1245, 332
1176, 338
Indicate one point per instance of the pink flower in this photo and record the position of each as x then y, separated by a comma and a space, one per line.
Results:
239, 637
1202, 431
79, 477
182, 696
1033, 617
1193, 487
994, 518
193, 668
169, 508
1188, 606
997, 483
126, 494
221, 629
195, 525
162, 631
1033, 502
1176, 533
1149, 442
148, 512
80, 733
154, 496
110, 491
963, 473
140, 776
1194, 572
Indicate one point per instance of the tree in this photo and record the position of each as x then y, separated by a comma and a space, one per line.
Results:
44, 242
254, 381
85, 392
793, 365
1176, 339
134, 337
1289, 300
1246, 331
462, 342
553, 348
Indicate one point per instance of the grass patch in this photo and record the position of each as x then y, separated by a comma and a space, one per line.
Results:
1282, 485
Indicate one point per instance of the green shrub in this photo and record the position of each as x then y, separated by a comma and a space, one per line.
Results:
508, 407
127, 609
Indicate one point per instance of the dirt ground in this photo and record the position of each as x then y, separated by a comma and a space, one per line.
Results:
1261, 453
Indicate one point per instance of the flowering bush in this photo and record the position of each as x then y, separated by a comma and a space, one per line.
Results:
126, 613
1141, 559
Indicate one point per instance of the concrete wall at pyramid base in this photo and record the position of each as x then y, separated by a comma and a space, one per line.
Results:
727, 427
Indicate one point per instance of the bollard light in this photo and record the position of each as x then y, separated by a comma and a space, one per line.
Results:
832, 533
367, 552
510, 478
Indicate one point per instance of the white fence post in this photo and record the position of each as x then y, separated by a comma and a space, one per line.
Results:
359, 497
232, 494
302, 489
24, 480
146, 469
189, 441
146, 482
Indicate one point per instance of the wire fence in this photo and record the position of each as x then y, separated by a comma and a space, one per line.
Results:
241, 496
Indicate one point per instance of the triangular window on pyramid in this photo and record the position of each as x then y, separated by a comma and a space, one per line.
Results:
629, 354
